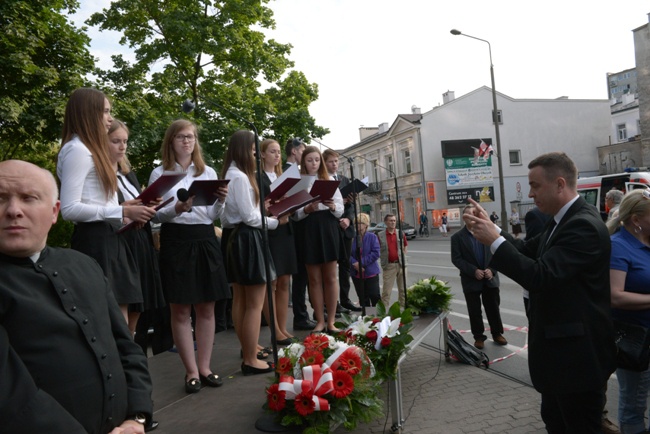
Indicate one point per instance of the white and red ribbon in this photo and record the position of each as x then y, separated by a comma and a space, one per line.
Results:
317, 381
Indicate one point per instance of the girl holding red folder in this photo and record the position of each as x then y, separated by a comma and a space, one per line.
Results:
242, 246
281, 244
191, 265
319, 242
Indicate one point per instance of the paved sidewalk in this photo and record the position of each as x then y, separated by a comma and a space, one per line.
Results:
441, 397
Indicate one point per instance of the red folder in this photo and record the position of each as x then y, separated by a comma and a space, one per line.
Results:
292, 203
324, 189
204, 191
282, 189
160, 186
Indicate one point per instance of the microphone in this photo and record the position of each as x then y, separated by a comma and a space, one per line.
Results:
188, 106
183, 195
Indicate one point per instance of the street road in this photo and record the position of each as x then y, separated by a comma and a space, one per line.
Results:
431, 257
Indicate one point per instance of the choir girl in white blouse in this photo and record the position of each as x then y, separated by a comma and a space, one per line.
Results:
244, 250
320, 242
89, 193
191, 265
139, 240
281, 244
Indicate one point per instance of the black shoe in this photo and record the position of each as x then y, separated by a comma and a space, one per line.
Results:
152, 425
193, 385
306, 325
350, 306
287, 341
341, 309
251, 370
211, 380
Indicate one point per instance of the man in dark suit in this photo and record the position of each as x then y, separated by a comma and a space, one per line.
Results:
535, 221
479, 281
331, 159
301, 321
566, 270
67, 359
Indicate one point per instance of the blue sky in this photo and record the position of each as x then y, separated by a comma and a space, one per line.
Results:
374, 59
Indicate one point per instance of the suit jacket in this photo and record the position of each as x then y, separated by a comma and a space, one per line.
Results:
463, 256
535, 221
348, 210
571, 338
68, 362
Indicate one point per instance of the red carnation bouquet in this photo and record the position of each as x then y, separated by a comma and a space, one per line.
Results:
322, 383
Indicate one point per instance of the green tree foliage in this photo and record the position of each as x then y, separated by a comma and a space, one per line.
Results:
43, 58
212, 52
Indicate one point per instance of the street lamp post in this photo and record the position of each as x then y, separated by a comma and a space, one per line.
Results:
495, 119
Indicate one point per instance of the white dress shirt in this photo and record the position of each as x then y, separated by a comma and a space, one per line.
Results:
83, 198
338, 204
241, 206
200, 215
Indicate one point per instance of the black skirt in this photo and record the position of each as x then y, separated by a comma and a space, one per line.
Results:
319, 238
283, 250
100, 241
140, 242
191, 266
245, 260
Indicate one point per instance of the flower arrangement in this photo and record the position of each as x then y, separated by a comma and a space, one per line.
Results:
429, 296
324, 382
384, 337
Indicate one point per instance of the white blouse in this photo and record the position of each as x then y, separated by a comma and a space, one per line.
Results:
338, 204
126, 187
200, 215
83, 198
241, 206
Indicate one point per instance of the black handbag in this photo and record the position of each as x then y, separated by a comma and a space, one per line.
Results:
633, 346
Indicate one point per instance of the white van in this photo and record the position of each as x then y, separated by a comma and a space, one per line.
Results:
594, 188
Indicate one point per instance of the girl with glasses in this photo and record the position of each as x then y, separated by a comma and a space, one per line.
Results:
191, 265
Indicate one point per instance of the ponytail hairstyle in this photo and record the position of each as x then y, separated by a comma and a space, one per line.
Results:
634, 203
322, 169
124, 166
84, 117
264, 146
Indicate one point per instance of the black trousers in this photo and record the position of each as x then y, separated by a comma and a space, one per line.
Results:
573, 413
491, 302
344, 272
298, 290
370, 289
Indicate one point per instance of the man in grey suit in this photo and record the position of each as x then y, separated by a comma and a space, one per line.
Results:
479, 281
571, 351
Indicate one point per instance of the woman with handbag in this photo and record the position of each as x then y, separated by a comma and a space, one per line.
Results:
630, 294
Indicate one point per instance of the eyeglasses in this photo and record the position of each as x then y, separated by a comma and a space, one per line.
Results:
182, 137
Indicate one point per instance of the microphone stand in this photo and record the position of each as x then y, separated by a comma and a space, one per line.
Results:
357, 239
188, 106
399, 226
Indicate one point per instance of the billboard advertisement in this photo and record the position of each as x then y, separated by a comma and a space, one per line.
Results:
468, 170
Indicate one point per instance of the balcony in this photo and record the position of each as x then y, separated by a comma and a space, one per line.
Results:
373, 188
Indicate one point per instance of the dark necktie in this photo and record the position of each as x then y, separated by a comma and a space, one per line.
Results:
547, 234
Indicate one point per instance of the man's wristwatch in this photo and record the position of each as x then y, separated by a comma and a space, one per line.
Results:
139, 418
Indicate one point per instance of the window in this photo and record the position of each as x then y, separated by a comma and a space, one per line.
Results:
407, 161
515, 157
499, 116
389, 165
621, 132
375, 170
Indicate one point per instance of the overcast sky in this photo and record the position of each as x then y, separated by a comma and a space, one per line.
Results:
374, 59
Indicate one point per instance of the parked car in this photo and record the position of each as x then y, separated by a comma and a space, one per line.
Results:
408, 230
